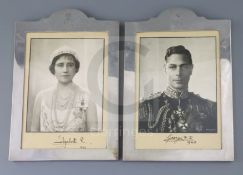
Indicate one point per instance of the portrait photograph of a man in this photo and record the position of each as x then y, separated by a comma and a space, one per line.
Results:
178, 85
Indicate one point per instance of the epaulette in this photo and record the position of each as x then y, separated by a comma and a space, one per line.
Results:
203, 99
151, 96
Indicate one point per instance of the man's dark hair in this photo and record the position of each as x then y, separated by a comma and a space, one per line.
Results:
54, 60
178, 50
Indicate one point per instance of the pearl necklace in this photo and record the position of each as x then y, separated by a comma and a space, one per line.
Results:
66, 105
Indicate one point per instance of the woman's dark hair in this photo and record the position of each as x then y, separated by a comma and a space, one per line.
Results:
179, 50
54, 60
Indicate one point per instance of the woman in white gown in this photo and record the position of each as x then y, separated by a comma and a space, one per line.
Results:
65, 107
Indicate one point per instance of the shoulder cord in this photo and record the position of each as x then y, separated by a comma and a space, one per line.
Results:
164, 109
164, 119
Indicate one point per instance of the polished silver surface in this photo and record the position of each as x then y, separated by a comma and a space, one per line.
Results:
68, 20
178, 19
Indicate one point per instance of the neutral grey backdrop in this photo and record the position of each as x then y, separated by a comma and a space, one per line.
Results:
152, 72
40, 77
121, 10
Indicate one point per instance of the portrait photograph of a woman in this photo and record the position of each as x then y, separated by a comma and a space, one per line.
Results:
59, 99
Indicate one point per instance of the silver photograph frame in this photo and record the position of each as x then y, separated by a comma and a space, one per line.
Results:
172, 20
68, 20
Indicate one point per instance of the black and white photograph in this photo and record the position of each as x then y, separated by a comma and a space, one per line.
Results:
59, 99
65, 89
178, 85
177, 75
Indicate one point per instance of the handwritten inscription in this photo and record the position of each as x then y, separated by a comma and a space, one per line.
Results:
175, 139
68, 141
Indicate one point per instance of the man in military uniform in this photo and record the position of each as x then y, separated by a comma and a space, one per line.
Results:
176, 110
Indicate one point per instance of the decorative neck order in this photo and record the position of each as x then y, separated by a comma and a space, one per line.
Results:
176, 94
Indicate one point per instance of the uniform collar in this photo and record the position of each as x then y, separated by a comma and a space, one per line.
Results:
174, 93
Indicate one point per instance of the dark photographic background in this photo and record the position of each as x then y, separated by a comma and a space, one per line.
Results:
125, 10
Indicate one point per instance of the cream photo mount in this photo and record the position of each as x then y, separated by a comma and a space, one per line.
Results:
170, 140
93, 43
173, 29
52, 140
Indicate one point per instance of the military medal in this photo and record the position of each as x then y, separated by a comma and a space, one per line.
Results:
182, 124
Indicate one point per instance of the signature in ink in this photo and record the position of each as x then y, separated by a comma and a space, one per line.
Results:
175, 139
65, 141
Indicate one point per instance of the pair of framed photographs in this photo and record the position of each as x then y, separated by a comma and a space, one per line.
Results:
177, 95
